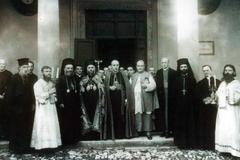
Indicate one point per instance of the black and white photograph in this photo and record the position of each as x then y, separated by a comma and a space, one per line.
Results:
119, 79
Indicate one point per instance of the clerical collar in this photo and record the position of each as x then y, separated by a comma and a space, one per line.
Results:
165, 69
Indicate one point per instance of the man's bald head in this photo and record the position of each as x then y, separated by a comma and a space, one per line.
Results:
115, 65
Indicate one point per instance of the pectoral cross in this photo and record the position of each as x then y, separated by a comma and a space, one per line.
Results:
98, 63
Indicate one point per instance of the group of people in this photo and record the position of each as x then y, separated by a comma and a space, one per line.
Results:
86, 103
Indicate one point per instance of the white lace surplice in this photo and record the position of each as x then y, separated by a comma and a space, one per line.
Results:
46, 131
227, 133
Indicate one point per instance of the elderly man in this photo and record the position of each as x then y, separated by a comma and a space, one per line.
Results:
118, 117
144, 99
206, 109
165, 80
19, 99
5, 76
227, 139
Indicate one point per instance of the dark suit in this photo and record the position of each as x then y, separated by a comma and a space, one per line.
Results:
164, 115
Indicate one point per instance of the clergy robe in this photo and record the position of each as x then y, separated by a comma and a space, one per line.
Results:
68, 94
46, 130
4, 80
227, 139
144, 101
92, 92
32, 79
167, 100
184, 116
206, 114
19, 99
119, 115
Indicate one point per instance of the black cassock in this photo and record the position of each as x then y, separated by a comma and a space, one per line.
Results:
68, 94
4, 80
19, 99
184, 121
206, 114
164, 115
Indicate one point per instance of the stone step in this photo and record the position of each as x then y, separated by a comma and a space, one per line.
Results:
134, 142
120, 143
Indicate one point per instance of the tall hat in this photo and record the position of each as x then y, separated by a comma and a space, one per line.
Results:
184, 61
65, 62
23, 61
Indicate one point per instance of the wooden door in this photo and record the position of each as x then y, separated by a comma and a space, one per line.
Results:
84, 50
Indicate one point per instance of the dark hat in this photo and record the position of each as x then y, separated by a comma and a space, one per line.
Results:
182, 61
90, 62
87, 63
23, 61
65, 62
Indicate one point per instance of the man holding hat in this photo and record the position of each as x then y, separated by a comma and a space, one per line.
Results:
18, 97
184, 131
68, 101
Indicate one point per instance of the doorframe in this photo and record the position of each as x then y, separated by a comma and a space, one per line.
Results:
77, 21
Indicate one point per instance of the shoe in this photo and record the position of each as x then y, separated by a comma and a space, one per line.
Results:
149, 136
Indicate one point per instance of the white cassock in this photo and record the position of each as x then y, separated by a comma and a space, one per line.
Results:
46, 130
227, 133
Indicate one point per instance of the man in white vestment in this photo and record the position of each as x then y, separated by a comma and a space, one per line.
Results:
145, 99
227, 133
46, 130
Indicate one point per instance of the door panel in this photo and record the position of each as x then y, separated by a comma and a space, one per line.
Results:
84, 50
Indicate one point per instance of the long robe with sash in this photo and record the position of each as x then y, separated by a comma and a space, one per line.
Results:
145, 101
227, 133
118, 114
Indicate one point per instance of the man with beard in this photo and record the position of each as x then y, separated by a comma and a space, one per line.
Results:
206, 109
19, 99
184, 127
5, 76
144, 99
165, 80
92, 92
68, 101
118, 120
227, 139
46, 131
